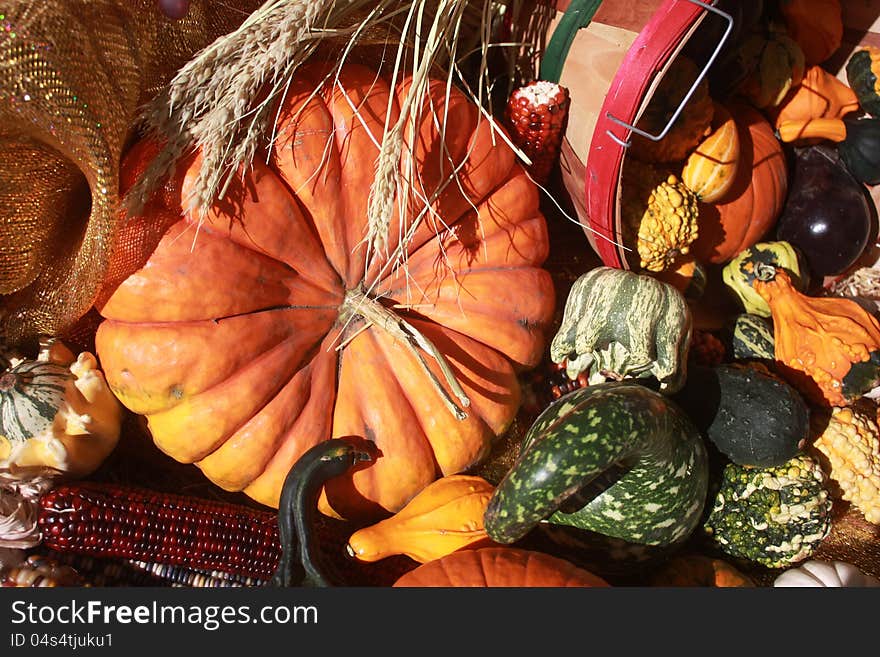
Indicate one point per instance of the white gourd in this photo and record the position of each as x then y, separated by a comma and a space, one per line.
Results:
828, 574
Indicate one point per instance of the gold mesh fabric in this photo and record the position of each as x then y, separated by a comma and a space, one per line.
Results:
73, 74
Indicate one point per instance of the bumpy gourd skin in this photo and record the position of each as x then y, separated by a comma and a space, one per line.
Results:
620, 324
641, 456
851, 444
829, 347
659, 216
775, 516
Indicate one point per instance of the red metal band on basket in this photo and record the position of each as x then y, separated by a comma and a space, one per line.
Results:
648, 54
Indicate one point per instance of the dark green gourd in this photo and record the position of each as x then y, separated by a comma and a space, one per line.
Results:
774, 516
861, 74
627, 456
860, 151
299, 564
752, 417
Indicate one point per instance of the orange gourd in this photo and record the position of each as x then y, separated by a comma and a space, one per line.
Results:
267, 326
710, 170
819, 96
446, 516
816, 25
700, 570
827, 347
809, 130
753, 204
495, 567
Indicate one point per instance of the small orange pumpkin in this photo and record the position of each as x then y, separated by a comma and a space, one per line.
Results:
492, 567
753, 204
816, 25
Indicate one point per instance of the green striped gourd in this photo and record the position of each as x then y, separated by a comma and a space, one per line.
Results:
618, 324
751, 336
615, 458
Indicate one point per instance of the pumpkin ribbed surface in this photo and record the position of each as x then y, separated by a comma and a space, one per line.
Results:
754, 202
269, 325
495, 567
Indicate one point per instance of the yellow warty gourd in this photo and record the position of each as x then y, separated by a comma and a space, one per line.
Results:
851, 445
660, 217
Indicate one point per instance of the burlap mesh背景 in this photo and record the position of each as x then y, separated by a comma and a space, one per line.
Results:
74, 75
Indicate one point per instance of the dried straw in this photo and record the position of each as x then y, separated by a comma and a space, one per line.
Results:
222, 101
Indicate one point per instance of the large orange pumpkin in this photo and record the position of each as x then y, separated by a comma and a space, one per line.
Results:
752, 205
270, 326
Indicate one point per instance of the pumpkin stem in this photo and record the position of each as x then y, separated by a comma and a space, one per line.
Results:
298, 565
358, 303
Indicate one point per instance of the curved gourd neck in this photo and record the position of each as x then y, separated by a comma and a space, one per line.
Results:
299, 564
616, 459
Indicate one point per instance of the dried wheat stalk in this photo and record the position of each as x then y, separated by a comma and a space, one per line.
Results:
221, 101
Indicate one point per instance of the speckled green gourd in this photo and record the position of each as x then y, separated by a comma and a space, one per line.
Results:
750, 337
618, 324
626, 455
774, 516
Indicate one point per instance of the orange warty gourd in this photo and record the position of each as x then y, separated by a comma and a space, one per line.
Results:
496, 567
753, 203
827, 347
269, 325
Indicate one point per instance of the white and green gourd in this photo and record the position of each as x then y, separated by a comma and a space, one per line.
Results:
56, 412
617, 459
618, 325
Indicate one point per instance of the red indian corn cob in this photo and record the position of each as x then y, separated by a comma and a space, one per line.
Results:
112, 521
536, 117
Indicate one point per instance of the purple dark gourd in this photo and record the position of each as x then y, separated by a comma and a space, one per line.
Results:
827, 215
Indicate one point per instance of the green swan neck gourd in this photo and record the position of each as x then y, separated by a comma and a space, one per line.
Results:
618, 324
653, 452
298, 565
